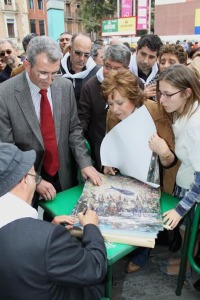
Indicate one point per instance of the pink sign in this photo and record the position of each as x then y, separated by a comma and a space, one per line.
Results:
142, 15
126, 8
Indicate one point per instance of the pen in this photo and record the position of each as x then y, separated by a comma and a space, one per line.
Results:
85, 210
64, 223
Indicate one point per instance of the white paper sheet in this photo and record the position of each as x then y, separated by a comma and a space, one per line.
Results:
126, 146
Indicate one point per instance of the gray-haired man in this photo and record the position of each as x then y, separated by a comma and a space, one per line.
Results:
92, 107
21, 106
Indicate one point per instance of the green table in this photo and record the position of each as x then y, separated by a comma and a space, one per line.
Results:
64, 204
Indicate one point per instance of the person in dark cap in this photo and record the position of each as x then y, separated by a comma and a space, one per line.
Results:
42, 259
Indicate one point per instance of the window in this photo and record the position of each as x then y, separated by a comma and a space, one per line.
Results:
31, 4
40, 4
41, 26
11, 28
8, 2
32, 26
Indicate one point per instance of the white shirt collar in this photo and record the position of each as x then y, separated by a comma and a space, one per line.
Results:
13, 208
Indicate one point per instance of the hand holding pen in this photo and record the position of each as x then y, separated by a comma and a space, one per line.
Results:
88, 216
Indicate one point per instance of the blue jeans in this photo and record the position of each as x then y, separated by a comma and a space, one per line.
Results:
140, 256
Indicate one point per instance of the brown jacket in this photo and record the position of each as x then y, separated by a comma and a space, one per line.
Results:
17, 70
164, 130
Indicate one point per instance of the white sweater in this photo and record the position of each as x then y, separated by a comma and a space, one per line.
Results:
187, 146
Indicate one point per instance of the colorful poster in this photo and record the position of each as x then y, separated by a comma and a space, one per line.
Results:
197, 21
125, 206
142, 15
126, 8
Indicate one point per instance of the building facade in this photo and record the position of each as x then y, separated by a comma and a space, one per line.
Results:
73, 20
14, 19
44, 17
63, 15
177, 17
20, 17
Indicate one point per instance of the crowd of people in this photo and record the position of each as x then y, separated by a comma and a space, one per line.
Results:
53, 97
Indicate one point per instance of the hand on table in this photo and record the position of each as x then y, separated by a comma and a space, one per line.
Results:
92, 174
46, 190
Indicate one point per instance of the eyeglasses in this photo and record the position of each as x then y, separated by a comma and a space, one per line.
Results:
38, 178
64, 39
167, 96
81, 53
3, 53
45, 75
109, 68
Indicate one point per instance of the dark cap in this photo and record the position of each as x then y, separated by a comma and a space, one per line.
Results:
14, 165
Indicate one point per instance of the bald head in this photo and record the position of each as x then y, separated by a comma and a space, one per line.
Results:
80, 49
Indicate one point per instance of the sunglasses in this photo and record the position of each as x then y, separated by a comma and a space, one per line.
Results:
3, 53
64, 39
80, 53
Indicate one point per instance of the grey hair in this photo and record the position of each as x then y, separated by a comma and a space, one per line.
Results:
2, 41
119, 53
94, 50
43, 44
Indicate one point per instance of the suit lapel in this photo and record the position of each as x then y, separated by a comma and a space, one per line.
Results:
56, 95
27, 107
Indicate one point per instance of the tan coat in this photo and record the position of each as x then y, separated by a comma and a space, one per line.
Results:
17, 70
164, 130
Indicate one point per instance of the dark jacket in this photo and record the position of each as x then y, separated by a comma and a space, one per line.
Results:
39, 260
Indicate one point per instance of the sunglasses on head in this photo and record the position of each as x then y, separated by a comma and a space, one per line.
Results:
64, 39
3, 53
80, 53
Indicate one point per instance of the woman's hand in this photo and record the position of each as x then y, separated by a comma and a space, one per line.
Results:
171, 219
158, 145
109, 171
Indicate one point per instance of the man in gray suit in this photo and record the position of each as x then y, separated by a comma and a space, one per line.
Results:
20, 116
40, 260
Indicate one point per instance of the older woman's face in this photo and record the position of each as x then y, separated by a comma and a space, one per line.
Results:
166, 60
120, 106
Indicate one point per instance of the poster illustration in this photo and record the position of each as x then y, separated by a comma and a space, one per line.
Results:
125, 206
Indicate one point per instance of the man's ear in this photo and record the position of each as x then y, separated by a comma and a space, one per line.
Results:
27, 65
69, 49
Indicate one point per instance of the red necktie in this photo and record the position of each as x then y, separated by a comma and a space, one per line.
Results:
51, 160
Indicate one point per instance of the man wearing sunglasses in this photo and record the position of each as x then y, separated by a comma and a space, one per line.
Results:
38, 111
8, 53
77, 64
